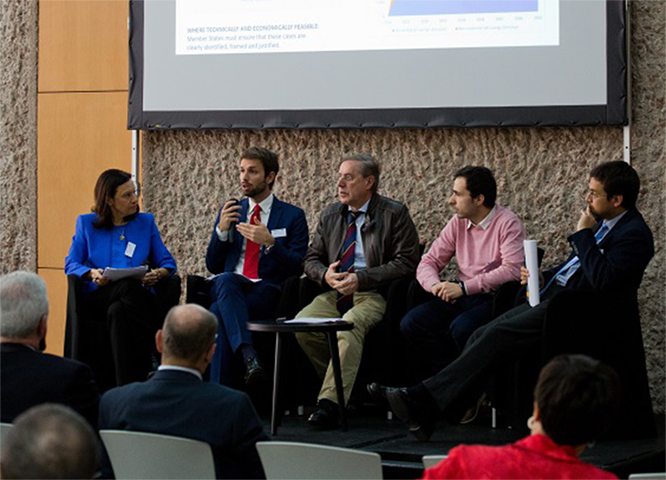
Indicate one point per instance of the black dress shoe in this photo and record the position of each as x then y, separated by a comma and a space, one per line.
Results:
254, 372
378, 394
410, 412
326, 415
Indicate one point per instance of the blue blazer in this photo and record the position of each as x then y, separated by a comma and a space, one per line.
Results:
100, 248
178, 403
282, 261
617, 264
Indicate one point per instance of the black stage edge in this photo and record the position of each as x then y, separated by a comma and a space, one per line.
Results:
370, 430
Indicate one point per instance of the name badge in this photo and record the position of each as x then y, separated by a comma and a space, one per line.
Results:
129, 251
279, 232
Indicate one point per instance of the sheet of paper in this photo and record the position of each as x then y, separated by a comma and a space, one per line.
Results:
120, 273
532, 264
315, 320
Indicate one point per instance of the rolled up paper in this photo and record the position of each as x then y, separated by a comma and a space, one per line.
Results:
532, 264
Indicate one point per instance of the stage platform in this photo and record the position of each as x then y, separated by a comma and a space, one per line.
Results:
401, 454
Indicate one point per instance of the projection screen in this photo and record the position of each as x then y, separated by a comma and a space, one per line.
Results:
376, 63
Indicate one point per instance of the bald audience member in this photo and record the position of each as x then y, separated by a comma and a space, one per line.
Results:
49, 441
175, 401
29, 377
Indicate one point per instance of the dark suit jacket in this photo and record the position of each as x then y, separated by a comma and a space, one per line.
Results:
617, 264
178, 403
30, 378
282, 261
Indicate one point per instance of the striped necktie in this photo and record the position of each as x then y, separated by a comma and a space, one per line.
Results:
345, 302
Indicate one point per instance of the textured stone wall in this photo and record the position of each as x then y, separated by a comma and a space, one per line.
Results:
18, 135
542, 175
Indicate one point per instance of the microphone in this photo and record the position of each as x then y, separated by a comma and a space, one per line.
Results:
232, 226
367, 226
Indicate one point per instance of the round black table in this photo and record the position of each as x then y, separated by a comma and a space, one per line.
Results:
281, 327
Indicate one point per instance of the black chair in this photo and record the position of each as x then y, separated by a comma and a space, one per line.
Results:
87, 338
601, 326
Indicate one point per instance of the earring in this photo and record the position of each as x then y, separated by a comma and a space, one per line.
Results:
530, 422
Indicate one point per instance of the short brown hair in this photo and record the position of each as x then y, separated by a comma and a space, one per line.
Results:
577, 397
267, 158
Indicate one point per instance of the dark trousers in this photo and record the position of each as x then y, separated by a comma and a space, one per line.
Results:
510, 336
430, 327
234, 301
129, 310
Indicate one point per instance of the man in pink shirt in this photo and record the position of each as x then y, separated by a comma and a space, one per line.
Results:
487, 241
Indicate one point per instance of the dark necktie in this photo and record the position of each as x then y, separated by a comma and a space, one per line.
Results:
251, 264
345, 302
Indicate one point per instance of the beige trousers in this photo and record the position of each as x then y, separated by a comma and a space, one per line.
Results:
367, 311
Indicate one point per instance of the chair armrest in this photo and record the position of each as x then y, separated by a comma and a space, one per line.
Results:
74, 316
198, 290
288, 304
307, 291
416, 295
506, 297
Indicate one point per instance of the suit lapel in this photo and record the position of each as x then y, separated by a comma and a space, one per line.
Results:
275, 220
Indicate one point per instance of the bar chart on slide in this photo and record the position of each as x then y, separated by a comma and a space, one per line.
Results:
460, 7
285, 26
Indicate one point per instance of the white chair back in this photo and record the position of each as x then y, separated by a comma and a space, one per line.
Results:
299, 461
648, 476
137, 455
4, 430
432, 460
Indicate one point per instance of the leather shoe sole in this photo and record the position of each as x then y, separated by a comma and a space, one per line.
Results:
405, 409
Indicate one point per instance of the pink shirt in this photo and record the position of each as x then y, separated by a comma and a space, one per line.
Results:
487, 258
533, 457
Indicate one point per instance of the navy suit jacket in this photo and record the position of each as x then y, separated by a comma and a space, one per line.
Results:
283, 260
29, 378
177, 403
617, 264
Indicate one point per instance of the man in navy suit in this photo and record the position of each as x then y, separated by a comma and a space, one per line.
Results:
29, 377
175, 401
612, 246
256, 244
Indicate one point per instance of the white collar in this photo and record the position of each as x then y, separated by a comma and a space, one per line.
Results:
181, 369
265, 205
485, 223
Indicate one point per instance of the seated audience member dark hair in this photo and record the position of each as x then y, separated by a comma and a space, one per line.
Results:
186, 339
267, 158
619, 178
50, 441
480, 181
105, 189
369, 167
577, 398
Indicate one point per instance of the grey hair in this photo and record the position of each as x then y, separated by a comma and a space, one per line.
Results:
23, 303
369, 167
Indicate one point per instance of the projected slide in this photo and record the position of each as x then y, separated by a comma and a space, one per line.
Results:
285, 26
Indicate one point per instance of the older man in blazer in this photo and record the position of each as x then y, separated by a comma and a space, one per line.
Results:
175, 401
29, 377
256, 244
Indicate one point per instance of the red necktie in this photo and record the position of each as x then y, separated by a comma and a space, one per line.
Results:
251, 264
346, 302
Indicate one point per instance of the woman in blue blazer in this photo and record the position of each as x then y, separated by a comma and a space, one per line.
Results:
117, 235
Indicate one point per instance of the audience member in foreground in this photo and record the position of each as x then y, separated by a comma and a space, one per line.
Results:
259, 238
575, 400
487, 241
29, 377
362, 242
49, 441
612, 246
175, 401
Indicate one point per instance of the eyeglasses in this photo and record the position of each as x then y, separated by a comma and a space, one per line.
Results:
594, 195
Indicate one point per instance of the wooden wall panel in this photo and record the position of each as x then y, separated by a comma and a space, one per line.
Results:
83, 45
80, 135
56, 286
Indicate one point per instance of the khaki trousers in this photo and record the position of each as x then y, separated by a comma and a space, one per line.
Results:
367, 311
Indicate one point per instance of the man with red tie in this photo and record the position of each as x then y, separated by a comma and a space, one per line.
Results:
362, 242
256, 244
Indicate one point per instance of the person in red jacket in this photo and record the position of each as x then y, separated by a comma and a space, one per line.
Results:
575, 400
